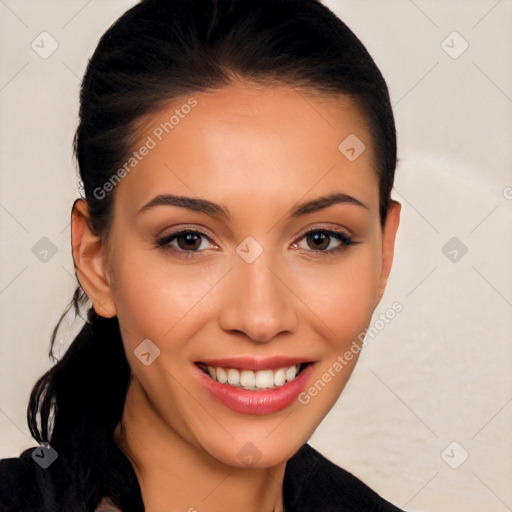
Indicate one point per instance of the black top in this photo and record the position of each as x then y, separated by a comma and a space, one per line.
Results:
312, 483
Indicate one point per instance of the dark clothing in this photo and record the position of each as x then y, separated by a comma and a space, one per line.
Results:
312, 483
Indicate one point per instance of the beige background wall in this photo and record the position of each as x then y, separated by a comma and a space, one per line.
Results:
435, 385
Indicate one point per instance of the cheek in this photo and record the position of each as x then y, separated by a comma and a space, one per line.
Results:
343, 300
343, 295
153, 297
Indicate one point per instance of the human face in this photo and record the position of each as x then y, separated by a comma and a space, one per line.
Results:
258, 153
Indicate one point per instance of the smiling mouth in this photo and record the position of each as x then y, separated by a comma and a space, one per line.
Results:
254, 380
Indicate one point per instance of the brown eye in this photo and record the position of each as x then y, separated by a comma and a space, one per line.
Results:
189, 241
319, 240
325, 241
186, 242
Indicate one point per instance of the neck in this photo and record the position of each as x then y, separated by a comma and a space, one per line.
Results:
172, 470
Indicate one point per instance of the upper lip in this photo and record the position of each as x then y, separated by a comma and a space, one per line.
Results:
256, 363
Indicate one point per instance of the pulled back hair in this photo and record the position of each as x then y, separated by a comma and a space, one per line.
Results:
158, 52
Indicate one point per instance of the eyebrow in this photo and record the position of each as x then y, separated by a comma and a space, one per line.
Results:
190, 203
218, 210
324, 202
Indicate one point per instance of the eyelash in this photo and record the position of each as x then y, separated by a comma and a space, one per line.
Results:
165, 242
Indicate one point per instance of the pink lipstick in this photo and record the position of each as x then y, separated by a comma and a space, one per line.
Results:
254, 385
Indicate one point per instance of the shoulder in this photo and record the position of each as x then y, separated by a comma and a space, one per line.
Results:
19, 486
313, 482
33, 482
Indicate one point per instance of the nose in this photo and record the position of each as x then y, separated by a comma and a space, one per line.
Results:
258, 301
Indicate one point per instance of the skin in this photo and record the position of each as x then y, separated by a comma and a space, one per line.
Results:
259, 151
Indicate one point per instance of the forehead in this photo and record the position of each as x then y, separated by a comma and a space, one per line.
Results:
246, 144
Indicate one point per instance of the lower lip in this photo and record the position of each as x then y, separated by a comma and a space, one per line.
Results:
265, 401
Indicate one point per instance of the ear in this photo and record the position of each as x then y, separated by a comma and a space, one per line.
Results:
388, 245
89, 258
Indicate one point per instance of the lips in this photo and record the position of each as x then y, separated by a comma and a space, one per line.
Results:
249, 389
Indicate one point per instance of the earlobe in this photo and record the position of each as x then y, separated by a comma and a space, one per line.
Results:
90, 262
388, 245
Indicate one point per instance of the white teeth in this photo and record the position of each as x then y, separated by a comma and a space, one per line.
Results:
248, 379
233, 377
222, 376
265, 379
290, 373
279, 377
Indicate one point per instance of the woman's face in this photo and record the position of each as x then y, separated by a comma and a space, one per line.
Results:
247, 287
